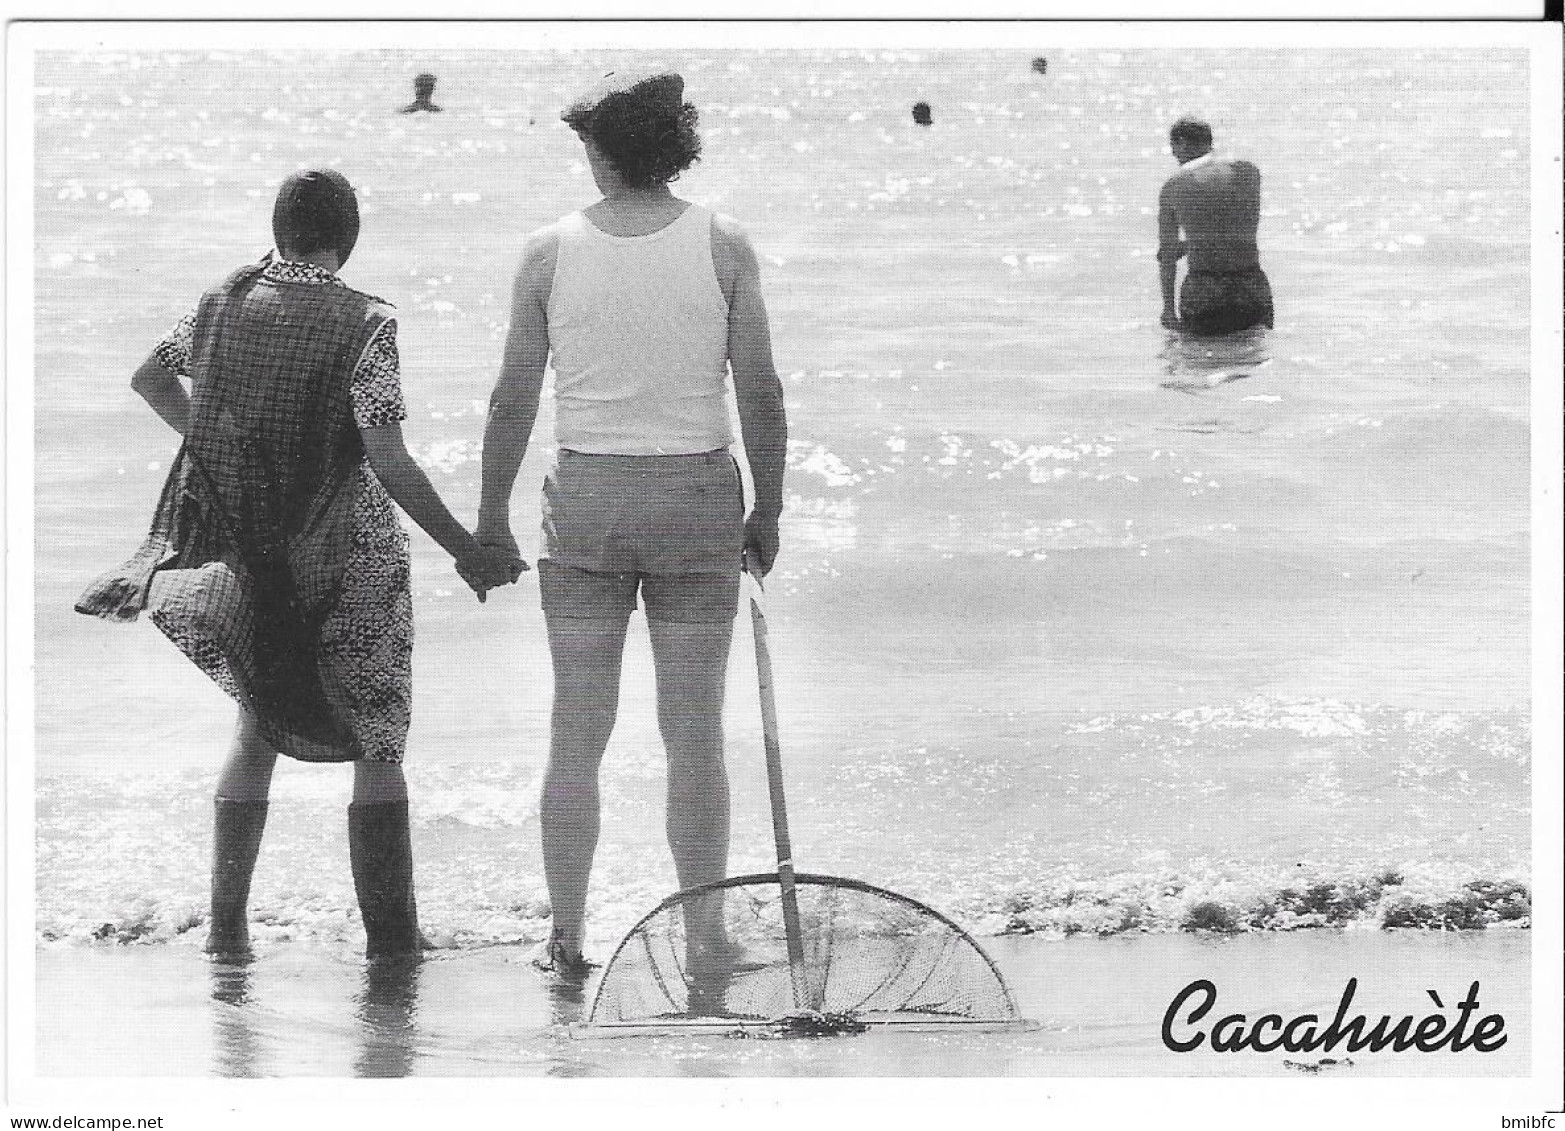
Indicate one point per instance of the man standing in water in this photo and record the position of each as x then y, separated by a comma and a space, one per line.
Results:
1216, 202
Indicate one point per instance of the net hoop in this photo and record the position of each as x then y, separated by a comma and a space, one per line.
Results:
746, 1027
801, 879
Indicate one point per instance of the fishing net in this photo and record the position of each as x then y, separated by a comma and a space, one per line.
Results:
718, 957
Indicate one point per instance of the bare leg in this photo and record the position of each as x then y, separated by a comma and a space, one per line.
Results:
586, 656
247, 775
692, 666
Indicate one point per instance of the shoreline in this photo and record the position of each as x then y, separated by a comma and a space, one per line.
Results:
1481, 907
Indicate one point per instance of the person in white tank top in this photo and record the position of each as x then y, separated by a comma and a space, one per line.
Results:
650, 310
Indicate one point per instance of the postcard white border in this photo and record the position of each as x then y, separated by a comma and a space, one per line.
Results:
770, 1102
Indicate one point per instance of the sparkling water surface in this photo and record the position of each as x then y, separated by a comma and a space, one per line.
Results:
1078, 627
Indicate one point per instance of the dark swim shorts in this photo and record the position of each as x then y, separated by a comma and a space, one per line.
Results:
1221, 303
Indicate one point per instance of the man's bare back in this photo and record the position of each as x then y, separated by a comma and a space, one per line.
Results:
1216, 201
1209, 211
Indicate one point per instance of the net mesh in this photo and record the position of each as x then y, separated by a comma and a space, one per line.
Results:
870, 956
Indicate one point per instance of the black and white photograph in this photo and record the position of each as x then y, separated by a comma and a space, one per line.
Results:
782, 566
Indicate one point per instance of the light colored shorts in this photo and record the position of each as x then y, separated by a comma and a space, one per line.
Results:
670, 527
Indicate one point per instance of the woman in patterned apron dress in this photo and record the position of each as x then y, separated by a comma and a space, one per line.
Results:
276, 562
645, 305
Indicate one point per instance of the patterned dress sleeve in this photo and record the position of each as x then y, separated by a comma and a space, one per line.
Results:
173, 352
377, 381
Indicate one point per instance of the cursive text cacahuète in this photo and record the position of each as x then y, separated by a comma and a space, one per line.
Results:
1235, 1032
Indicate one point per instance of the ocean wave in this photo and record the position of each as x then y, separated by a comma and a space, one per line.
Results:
1010, 830
1387, 899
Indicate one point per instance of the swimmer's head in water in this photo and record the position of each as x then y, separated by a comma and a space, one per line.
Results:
640, 123
424, 85
316, 211
1190, 135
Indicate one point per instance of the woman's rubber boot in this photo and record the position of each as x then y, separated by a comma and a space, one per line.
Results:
236, 841
381, 851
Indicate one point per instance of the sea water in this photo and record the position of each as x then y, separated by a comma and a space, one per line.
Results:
1078, 627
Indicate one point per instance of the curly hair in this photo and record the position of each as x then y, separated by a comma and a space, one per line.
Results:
645, 143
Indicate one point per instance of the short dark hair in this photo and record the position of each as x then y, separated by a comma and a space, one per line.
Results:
646, 143
1192, 131
316, 210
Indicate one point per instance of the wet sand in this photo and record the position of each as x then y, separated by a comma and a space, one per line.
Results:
1097, 1007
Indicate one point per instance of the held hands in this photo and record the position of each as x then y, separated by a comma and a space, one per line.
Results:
496, 562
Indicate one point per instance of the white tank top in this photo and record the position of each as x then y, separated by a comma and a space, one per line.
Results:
638, 332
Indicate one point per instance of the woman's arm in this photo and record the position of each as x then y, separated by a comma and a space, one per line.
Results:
164, 391
407, 484
762, 419
513, 406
